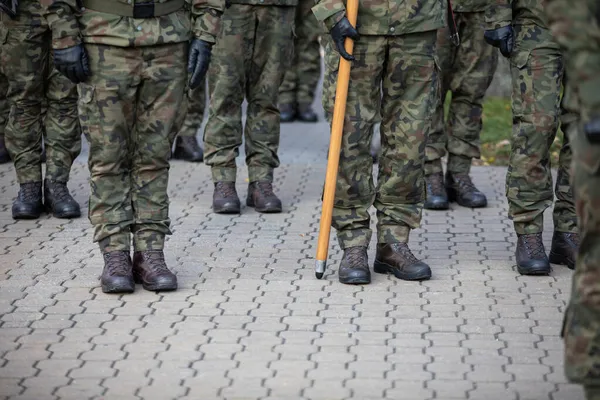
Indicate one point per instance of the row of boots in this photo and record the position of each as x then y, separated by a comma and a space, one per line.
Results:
56, 200
120, 273
260, 196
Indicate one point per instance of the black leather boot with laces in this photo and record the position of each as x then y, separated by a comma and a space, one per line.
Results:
437, 198
396, 258
117, 276
28, 204
461, 189
565, 246
262, 198
150, 269
188, 149
59, 201
531, 255
225, 198
354, 268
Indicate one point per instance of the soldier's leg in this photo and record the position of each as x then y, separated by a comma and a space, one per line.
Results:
355, 191
186, 144
436, 196
227, 77
274, 38
410, 90
473, 71
288, 89
106, 108
536, 68
308, 64
4, 110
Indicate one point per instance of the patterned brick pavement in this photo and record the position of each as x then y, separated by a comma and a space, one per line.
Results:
250, 321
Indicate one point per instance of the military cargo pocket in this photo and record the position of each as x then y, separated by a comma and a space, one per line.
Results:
519, 58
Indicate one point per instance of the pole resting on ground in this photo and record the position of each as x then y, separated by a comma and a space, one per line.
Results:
335, 145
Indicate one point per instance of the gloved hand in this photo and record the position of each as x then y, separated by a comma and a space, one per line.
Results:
502, 38
339, 33
198, 61
73, 63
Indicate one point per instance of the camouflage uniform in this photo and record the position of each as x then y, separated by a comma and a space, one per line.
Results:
194, 114
253, 51
33, 83
300, 81
4, 108
467, 71
576, 28
395, 76
129, 106
537, 71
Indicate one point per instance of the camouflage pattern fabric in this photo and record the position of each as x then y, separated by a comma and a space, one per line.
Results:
301, 79
253, 51
91, 26
527, 12
4, 107
128, 108
460, 6
467, 72
386, 17
537, 70
196, 103
26, 63
576, 28
402, 90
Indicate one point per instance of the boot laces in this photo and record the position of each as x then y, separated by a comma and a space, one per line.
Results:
60, 191
355, 256
155, 261
534, 246
573, 238
266, 188
29, 191
406, 253
464, 182
226, 189
117, 263
435, 184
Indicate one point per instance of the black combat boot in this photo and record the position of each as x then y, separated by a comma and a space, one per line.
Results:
437, 198
150, 269
287, 112
531, 255
354, 268
262, 198
461, 189
564, 249
4, 156
306, 113
117, 276
28, 204
225, 198
400, 261
188, 149
59, 201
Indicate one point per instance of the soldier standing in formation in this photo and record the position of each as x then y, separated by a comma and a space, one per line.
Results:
576, 27
297, 92
186, 143
253, 51
25, 62
520, 30
133, 73
467, 72
4, 110
394, 75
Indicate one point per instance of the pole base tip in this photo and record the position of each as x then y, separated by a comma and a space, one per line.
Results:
319, 275
320, 268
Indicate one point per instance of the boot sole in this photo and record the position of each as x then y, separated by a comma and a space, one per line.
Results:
534, 272
436, 206
66, 215
560, 259
383, 268
355, 281
117, 289
453, 198
228, 209
155, 287
265, 210
26, 216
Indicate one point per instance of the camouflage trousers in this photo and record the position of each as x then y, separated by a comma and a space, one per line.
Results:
4, 108
249, 59
537, 71
34, 85
128, 111
467, 72
301, 79
576, 28
194, 114
395, 79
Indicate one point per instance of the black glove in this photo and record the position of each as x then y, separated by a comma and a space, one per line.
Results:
198, 61
502, 38
73, 63
339, 33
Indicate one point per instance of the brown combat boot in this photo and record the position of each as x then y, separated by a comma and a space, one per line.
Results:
531, 255
225, 198
188, 149
150, 269
400, 261
354, 268
565, 246
262, 198
437, 198
461, 189
59, 201
28, 204
117, 276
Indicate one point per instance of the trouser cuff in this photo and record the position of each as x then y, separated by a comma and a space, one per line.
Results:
260, 174
148, 241
530, 227
393, 234
459, 164
223, 174
117, 242
433, 167
354, 238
